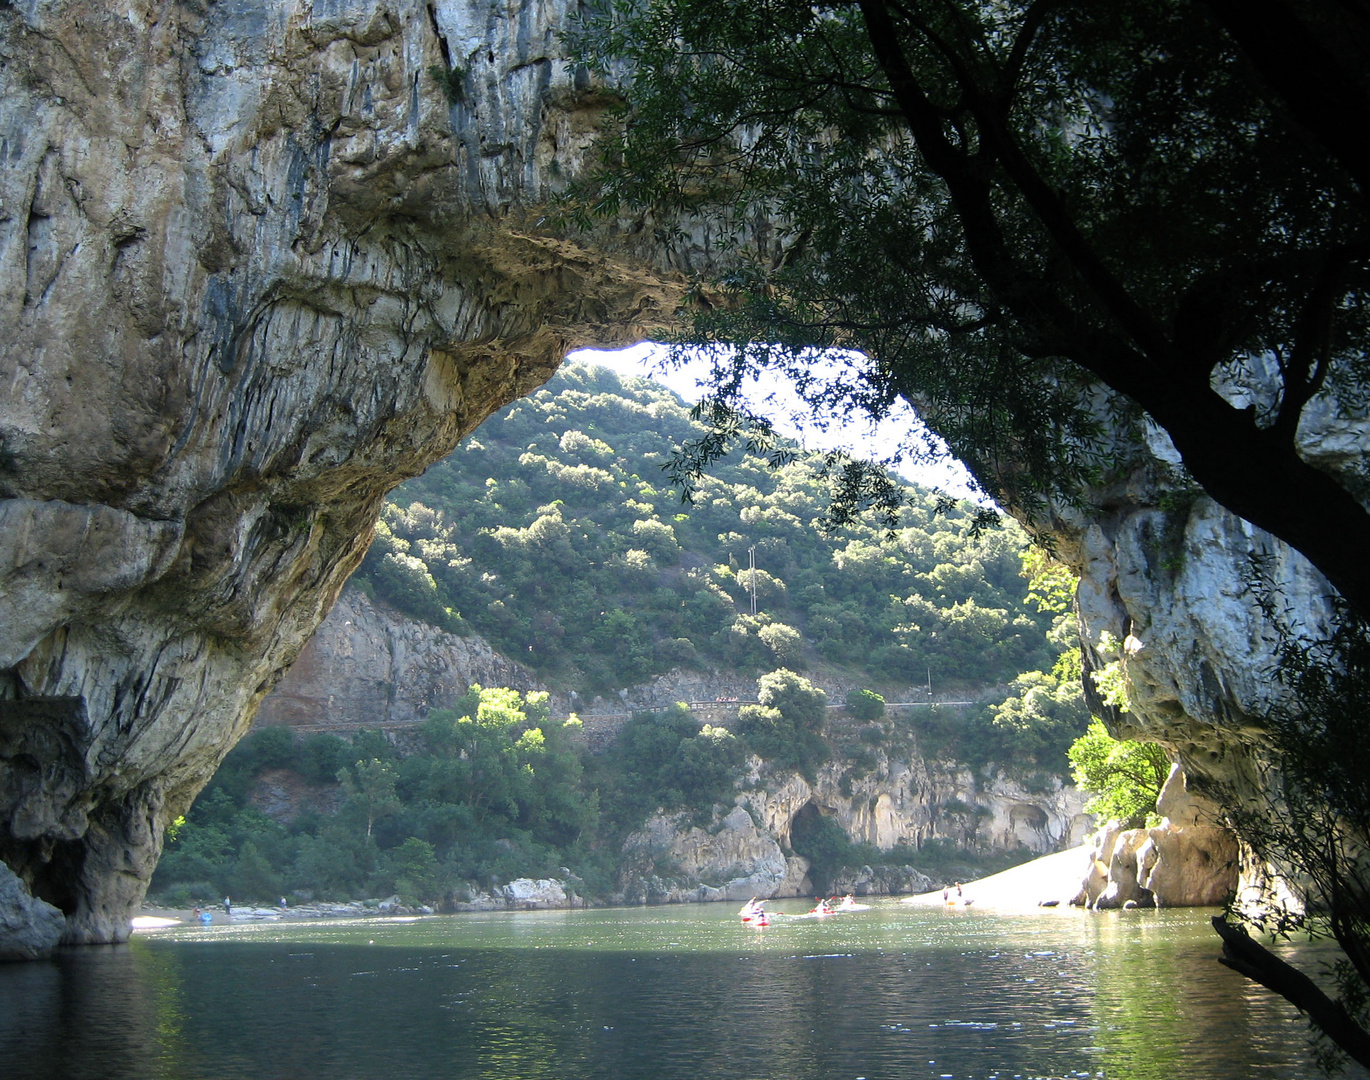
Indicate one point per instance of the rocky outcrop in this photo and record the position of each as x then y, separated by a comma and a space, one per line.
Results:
29, 929
1189, 860
671, 861
260, 262
263, 260
1172, 577
521, 894
368, 665
881, 881
906, 801
900, 803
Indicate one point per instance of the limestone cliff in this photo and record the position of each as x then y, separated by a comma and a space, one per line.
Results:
1189, 860
899, 803
260, 261
1181, 583
368, 666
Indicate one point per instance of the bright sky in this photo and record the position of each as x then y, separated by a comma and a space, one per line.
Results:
774, 399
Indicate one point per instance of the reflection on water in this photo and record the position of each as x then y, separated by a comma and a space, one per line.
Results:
663, 992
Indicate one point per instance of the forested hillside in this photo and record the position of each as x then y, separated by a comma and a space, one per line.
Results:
554, 534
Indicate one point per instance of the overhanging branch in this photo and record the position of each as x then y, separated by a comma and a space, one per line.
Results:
1248, 957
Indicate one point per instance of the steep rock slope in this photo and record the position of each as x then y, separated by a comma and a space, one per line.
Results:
259, 264
370, 666
900, 802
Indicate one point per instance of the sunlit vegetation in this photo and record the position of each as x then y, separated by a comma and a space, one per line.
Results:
494, 789
1124, 777
553, 533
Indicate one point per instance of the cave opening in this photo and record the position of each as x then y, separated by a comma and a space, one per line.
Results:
819, 838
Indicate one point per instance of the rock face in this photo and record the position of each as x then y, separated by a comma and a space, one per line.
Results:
259, 264
670, 861
1189, 860
742, 853
910, 801
367, 665
29, 928
262, 259
1172, 576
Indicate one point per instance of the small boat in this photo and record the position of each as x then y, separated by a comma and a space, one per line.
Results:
848, 904
752, 910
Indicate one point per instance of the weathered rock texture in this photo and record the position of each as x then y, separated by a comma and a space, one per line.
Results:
1190, 860
29, 928
898, 803
906, 801
1181, 583
669, 861
258, 265
368, 665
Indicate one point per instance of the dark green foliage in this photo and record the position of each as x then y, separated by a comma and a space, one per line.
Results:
497, 790
554, 534
865, 705
1312, 813
786, 725
1123, 777
1038, 220
451, 82
500, 790
668, 761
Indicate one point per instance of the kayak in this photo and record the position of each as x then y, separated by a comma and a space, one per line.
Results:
751, 910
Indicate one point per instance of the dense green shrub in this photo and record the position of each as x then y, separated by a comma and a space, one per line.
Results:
865, 705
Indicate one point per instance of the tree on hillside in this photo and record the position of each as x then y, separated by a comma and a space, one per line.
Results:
1044, 223
1060, 197
786, 725
370, 787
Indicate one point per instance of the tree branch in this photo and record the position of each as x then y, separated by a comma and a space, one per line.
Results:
1248, 957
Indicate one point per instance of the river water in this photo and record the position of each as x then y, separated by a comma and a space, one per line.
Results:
893, 993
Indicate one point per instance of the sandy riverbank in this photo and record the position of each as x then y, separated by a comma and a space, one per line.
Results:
1051, 878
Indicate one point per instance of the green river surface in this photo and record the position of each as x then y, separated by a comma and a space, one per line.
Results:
893, 993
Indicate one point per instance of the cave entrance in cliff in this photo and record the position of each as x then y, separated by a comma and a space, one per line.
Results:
820, 839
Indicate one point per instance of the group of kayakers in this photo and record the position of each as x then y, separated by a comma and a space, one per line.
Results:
754, 911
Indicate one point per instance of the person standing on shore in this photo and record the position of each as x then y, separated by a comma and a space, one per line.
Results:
228, 908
